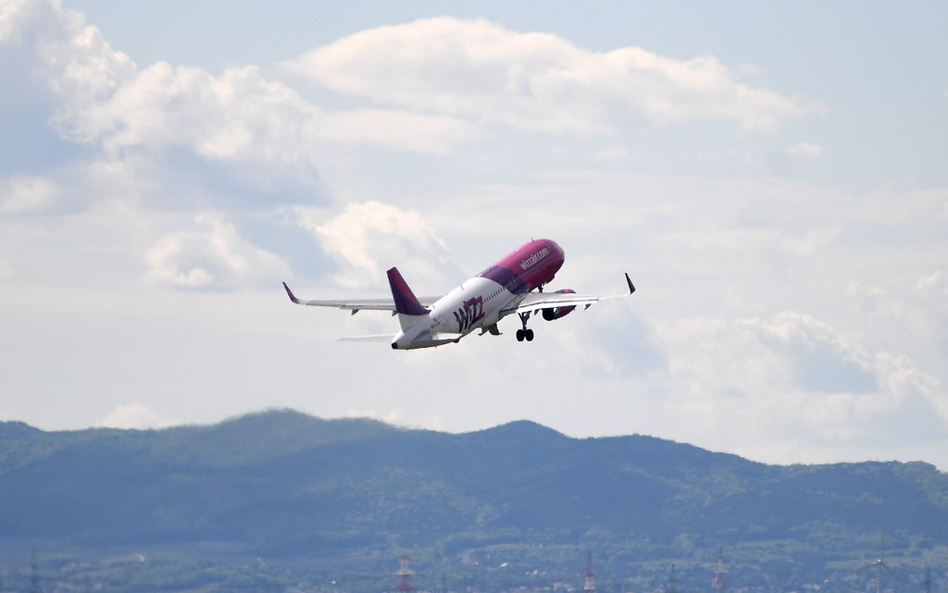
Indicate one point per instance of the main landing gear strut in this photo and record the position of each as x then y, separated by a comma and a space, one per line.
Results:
524, 334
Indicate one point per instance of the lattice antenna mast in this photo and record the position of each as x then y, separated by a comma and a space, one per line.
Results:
672, 586
720, 571
590, 585
404, 574
34, 574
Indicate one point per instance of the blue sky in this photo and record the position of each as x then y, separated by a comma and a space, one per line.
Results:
773, 176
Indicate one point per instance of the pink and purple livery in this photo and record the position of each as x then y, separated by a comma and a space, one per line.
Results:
512, 285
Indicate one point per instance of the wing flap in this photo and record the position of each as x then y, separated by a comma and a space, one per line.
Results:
547, 300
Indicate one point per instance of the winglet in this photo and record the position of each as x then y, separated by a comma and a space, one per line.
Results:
290, 294
627, 279
406, 303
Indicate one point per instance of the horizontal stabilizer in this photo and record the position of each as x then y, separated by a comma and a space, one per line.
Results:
373, 338
354, 305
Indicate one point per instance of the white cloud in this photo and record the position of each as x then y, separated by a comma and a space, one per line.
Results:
613, 153
243, 117
807, 150
935, 281
792, 380
742, 250
24, 195
368, 238
135, 416
537, 82
74, 59
15, 17
399, 130
821, 360
909, 323
214, 256
239, 116
103, 99
393, 416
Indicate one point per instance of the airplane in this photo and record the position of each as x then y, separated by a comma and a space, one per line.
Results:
505, 288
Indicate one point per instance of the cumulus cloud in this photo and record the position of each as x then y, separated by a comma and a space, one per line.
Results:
368, 238
906, 381
612, 341
15, 18
72, 57
214, 256
936, 281
399, 129
239, 116
790, 379
440, 81
727, 248
24, 195
807, 150
136, 416
537, 82
103, 99
912, 323
614, 153
820, 359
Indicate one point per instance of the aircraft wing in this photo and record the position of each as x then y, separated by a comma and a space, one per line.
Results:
354, 305
547, 300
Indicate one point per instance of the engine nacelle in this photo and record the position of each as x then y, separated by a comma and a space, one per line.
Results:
556, 312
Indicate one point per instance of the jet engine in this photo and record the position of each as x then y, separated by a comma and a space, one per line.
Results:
556, 312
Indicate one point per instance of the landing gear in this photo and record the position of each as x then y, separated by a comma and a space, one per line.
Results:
524, 334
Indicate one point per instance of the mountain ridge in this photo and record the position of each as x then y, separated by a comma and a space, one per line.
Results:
282, 484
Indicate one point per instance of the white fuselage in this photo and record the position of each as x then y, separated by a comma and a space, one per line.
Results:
475, 304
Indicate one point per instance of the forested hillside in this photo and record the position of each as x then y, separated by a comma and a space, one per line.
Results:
517, 505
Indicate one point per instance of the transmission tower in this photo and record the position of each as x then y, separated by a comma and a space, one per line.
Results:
719, 573
672, 585
590, 585
404, 574
34, 574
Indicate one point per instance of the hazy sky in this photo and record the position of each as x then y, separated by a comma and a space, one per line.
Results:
773, 176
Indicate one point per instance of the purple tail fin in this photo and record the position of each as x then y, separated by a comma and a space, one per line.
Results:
406, 303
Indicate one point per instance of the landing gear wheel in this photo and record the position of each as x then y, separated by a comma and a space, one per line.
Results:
528, 334
520, 335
